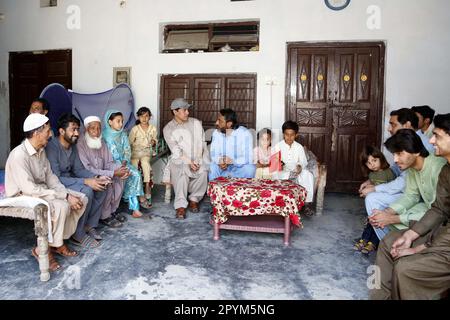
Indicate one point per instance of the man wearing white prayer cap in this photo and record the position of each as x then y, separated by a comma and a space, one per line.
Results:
96, 157
28, 173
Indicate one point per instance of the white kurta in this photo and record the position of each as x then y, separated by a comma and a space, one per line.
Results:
292, 156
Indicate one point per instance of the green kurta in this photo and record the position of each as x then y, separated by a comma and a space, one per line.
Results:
420, 191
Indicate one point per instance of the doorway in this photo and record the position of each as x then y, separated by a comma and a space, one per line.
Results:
334, 91
29, 74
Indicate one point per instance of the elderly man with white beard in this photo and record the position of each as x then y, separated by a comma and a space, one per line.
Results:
96, 157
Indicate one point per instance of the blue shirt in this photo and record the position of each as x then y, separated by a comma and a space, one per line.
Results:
426, 141
238, 146
66, 164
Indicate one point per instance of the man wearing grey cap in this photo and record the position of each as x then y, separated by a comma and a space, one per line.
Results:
188, 163
28, 173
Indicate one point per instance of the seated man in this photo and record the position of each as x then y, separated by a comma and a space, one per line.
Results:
187, 165
294, 162
421, 179
425, 115
28, 173
96, 157
66, 164
231, 148
414, 263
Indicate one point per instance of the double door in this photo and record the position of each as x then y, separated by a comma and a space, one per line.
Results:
334, 92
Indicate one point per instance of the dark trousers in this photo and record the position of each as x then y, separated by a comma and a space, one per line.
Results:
370, 235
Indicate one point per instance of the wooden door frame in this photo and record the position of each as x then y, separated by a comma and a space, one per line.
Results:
343, 44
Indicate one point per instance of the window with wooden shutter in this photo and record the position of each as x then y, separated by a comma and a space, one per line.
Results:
209, 93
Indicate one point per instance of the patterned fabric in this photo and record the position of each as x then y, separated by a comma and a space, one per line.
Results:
119, 146
245, 197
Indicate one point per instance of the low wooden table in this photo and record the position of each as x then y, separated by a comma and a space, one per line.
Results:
256, 205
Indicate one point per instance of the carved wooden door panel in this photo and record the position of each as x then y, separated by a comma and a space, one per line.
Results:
335, 94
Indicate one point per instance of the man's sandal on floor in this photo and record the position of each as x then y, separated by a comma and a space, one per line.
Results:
64, 250
94, 234
53, 264
111, 222
87, 242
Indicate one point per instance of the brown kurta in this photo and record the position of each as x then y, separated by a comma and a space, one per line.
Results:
28, 173
424, 275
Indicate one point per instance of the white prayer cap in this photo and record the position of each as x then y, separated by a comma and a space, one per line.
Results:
34, 121
90, 119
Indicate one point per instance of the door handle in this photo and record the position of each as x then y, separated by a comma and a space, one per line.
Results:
332, 99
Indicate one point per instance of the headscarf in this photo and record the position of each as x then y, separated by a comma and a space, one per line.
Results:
109, 134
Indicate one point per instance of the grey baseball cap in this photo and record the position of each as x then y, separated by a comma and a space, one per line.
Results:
179, 103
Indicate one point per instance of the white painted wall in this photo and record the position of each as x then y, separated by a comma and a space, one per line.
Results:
416, 33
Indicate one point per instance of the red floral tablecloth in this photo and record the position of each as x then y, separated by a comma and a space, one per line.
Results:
245, 197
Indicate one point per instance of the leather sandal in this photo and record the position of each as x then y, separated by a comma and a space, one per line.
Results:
180, 213
64, 250
53, 264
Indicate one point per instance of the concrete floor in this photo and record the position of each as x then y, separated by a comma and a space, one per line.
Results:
165, 258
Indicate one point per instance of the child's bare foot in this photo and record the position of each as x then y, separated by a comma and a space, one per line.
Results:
137, 214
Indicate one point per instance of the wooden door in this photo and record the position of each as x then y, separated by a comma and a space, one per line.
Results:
29, 74
335, 93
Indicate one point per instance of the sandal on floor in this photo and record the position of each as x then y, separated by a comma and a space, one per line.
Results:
308, 211
359, 245
65, 251
145, 204
87, 242
53, 264
111, 222
119, 217
369, 248
94, 234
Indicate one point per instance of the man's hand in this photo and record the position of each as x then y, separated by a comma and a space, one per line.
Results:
122, 172
153, 142
383, 218
400, 245
95, 183
410, 251
366, 190
298, 169
194, 166
74, 202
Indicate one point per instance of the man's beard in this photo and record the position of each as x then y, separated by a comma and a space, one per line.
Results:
71, 140
93, 143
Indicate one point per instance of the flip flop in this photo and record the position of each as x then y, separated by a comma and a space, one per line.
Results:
87, 242
94, 234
